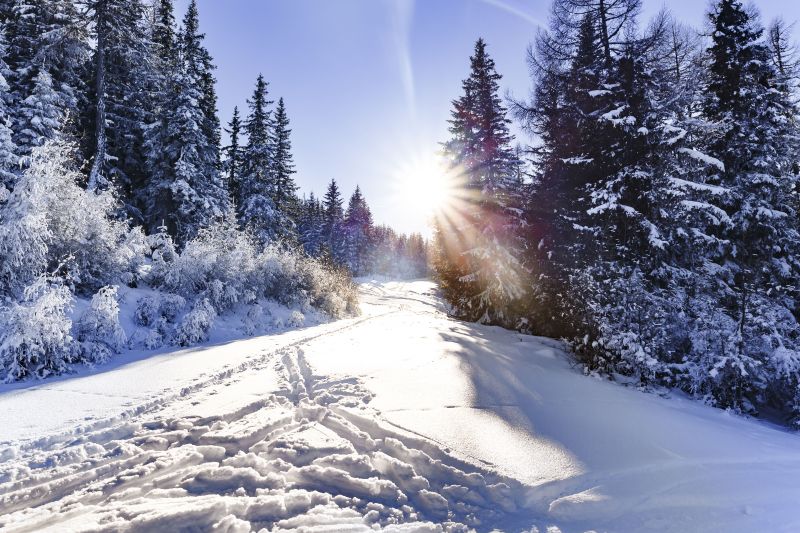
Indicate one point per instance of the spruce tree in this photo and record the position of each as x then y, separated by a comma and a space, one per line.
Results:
480, 258
116, 121
357, 228
755, 127
333, 216
256, 208
233, 154
285, 189
9, 161
155, 196
46, 52
311, 226
186, 191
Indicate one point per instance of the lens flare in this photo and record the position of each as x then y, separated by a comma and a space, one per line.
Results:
425, 188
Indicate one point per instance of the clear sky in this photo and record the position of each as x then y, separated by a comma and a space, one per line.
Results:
368, 83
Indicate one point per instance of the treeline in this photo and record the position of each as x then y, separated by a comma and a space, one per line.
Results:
656, 227
348, 236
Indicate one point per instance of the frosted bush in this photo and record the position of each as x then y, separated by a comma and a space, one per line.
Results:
49, 219
153, 339
163, 255
296, 319
99, 330
255, 319
281, 275
35, 338
197, 323
161, 308
218, 264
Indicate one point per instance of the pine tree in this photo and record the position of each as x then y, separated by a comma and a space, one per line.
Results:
257, 209
155, 197
9, 161
233, 154
357, 229
333, 216
116, 124
479, 262
46, 53
285, 193
311, 226
758, 272
186, 190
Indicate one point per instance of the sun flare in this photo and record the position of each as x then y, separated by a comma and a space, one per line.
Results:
425, 187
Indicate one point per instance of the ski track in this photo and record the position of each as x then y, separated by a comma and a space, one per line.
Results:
311, 454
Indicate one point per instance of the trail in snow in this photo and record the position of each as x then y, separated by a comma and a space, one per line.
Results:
401, 419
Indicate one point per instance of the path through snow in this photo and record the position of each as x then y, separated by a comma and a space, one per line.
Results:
401, 419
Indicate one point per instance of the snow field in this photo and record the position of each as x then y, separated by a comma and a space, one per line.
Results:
401, 419
311, 453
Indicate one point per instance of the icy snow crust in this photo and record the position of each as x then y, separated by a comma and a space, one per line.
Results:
401, 419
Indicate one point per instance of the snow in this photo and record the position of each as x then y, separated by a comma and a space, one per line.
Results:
704, 158
713, 189
401, 419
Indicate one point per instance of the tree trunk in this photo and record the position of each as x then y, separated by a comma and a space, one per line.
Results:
100, 107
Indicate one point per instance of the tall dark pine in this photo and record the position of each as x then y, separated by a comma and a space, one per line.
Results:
9, 160
256, 205
333, 216
186, 190
310, 226
118, 96
46, 53
756, 133
285, 189
357, 227
479, 261
156, 197
233, 154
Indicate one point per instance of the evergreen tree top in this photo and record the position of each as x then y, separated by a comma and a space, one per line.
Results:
257, 124
332, 202
734, 37
164, 29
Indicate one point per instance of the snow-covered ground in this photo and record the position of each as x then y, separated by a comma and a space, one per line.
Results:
400, 418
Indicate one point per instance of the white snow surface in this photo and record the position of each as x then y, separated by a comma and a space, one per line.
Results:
401, 419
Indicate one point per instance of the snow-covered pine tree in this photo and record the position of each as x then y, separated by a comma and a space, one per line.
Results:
9, 160
46, 53
233, 154
285, 194
479, 262
155, 197
332, 218
116, 118
755, 135
357, 228
311, 226
256, 207
193, 195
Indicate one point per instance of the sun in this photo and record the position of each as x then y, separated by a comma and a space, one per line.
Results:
424, 187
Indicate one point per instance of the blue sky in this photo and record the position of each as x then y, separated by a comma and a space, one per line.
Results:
368, 83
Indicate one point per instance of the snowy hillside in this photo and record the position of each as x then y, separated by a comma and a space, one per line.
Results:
401, 419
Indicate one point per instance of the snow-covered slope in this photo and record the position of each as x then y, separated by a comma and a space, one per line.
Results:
400, 418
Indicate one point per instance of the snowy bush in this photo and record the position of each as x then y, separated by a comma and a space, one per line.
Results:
255, 319
99, 330
158, 313
296, 319
217, 265
49, 219
196, 325
223, 266
35, 333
